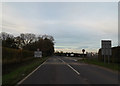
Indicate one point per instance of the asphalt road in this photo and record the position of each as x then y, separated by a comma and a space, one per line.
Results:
65, 70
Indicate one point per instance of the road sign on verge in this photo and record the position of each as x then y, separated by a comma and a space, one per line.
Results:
38, 53
106, 47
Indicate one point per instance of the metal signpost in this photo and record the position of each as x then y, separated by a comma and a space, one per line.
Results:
83, 50
106, 49
38, 53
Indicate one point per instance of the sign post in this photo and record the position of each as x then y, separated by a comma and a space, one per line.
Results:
106, 49
83, 50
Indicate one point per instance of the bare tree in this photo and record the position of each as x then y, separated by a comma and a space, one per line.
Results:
4, 36
27, 38
48, 37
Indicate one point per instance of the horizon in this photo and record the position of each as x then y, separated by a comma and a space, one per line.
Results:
74, 26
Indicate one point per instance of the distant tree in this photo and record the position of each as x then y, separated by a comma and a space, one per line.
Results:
48, 37
29, 41
19, 42
4, 36
24, 39
7, 40
27, 38
10, 43
44, 43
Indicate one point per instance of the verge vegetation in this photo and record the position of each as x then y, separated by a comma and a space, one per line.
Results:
18, 55
95, 61
20, 71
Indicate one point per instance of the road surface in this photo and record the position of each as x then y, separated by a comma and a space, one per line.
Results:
65, 70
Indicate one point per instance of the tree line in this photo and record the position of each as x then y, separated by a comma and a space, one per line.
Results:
29, 41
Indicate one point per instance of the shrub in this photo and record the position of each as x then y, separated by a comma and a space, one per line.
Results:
15, 55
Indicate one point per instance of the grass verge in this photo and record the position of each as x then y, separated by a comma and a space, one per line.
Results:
112, 66
19, 73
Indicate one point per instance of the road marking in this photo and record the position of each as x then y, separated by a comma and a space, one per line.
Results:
70, 66
20, 82
55, 63
73, 69
62, 60
75, 60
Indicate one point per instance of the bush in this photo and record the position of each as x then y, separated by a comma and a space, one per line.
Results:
115, 55
10, 56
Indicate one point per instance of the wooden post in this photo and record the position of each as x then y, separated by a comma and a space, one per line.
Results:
108, 59
104, 58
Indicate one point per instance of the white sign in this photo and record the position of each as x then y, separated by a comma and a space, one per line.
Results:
67, 55
38, 54
106, 47
71, 54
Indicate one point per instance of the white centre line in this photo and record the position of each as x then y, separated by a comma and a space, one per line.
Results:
70, 66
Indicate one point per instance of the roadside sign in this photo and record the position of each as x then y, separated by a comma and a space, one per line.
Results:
67, 55
83, 50
106, 47
71, 54
38, 53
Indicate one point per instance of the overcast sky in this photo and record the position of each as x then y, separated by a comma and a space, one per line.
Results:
74, 25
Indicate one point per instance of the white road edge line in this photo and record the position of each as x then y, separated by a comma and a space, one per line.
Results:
30, 73
70, 66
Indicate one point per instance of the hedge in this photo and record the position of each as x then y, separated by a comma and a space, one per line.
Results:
115, 58
15, 55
